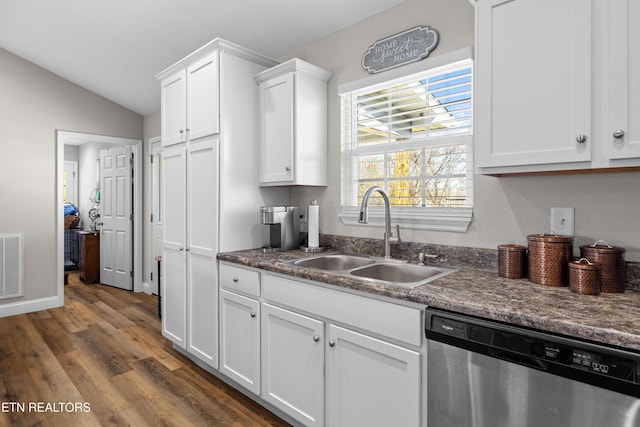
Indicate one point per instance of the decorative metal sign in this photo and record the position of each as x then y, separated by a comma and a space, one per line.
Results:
406, 47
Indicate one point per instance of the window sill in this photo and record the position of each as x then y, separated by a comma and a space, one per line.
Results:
433, 219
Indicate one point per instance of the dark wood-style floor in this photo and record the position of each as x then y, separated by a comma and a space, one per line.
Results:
101, 360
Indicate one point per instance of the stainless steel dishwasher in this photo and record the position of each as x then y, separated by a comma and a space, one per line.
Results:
483, 373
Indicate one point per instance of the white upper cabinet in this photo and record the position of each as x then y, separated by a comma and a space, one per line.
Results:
293, 124
173, 111
558, 86
534, 82
622, 133
190, 100
203, 98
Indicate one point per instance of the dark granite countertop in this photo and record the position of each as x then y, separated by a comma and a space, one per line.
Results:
612, 319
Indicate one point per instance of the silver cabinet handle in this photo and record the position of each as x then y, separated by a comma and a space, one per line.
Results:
582, 138
332, 343
253, 314
181, 249
316, 338
235, 280
619, 134
188, 249
187, 130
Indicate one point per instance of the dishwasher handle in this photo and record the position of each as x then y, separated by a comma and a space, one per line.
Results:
520, 359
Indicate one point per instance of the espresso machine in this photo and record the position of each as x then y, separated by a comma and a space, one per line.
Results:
284, 224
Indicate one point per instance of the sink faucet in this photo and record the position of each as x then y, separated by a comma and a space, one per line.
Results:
364, 218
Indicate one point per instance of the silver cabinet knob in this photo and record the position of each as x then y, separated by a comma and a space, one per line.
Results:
619, 134
582, 138
287, 168
332, 343
181, 249
316, 338
187, 130
235, 280
181, 131
253, 314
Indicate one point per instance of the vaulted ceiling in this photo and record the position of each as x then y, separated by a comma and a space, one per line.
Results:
114, 48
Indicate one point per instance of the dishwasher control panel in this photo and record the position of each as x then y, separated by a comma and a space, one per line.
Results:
536, 349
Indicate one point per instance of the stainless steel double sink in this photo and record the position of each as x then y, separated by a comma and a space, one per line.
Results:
384, 270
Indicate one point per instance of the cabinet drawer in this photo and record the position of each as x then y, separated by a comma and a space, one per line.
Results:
390, 320
240, 279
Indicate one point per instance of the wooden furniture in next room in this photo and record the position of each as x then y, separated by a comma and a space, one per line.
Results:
89, 251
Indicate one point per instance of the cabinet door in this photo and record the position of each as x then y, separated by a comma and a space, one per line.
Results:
277, 130
623, 131
371, 382
240, 339
174, 286
173, 109
293, 364
533, 82
202, 246
203, 97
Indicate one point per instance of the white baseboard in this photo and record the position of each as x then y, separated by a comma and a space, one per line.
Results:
22, 307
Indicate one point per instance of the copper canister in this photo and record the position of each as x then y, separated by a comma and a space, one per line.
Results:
584, 277
611, 259
512, 261
548, 259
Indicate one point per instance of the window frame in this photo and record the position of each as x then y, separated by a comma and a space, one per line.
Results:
453, 219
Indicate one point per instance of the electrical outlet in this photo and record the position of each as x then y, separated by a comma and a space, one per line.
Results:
562, 221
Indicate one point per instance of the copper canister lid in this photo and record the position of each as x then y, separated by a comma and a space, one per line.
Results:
603, 247
550, 237
584, 264
511, 247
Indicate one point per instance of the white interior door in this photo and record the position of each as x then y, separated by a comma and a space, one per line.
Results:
116, 216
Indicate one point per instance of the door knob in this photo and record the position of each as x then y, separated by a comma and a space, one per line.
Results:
582, 138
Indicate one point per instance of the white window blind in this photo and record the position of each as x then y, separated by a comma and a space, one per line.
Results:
412, 136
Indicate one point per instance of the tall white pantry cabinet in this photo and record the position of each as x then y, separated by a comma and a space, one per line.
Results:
210, 196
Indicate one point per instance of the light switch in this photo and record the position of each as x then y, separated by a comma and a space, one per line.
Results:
562, 221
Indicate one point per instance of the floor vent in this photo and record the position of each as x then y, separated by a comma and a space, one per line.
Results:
11, 265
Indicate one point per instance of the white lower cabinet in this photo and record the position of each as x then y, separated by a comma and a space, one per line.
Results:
240, 339
293, 364
339, 359
323, 357
371, 382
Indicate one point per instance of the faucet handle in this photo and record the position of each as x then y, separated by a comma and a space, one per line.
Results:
395, 240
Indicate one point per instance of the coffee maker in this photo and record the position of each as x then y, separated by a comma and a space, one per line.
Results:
284, 223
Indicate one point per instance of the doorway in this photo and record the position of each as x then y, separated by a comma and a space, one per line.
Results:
67, 138
157, 235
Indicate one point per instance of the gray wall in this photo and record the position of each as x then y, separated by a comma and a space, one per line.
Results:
34, 104
607, 206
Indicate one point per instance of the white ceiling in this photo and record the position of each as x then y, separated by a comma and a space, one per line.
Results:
115, 47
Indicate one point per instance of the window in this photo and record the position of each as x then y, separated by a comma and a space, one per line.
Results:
411, 135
